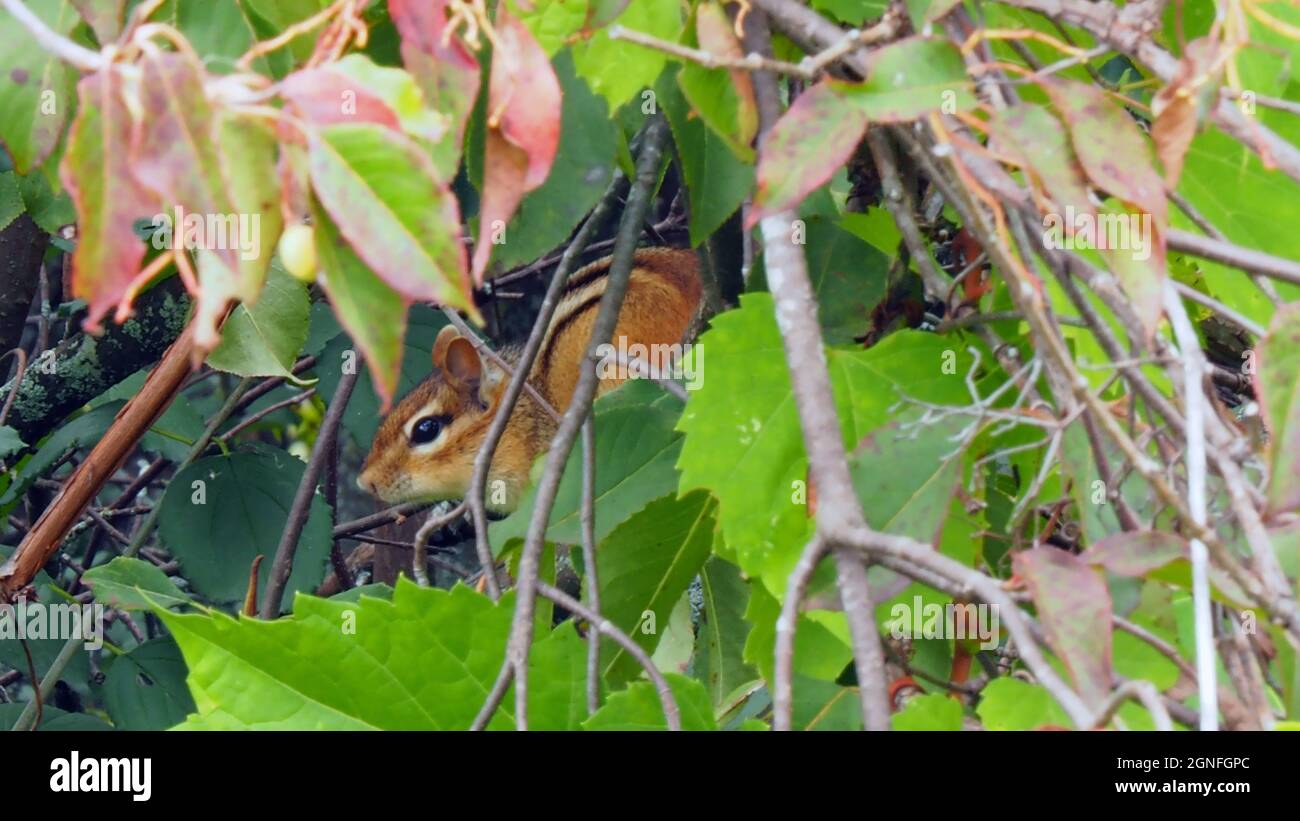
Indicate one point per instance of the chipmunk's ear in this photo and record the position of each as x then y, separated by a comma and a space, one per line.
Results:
455, 356
441, 344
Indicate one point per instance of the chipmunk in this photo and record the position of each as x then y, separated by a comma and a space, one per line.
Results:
425, 447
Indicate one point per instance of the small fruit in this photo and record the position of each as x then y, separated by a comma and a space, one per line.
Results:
298, 252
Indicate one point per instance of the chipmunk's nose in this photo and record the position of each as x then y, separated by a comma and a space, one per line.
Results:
366, 484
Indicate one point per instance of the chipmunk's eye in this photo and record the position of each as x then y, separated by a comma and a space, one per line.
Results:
427, 429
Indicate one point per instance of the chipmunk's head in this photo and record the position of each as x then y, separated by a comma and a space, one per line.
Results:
424, 450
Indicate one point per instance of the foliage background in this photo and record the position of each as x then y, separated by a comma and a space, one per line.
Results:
1015, 424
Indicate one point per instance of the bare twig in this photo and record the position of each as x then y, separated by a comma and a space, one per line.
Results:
838, 511
1142, 691
603, 626
483, 459
324, 445
590, 574
420, 557
1194, 370
783, 675
521, 633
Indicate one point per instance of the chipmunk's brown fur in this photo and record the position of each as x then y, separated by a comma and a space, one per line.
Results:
464, 390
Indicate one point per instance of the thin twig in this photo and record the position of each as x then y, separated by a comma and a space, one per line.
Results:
483, 459
590, 575
301, 506
616, 283
1194, 406
786, 624
603, 626
419, 548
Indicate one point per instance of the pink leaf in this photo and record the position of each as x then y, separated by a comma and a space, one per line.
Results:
523, 130
804, 149
107, 197
1074, 606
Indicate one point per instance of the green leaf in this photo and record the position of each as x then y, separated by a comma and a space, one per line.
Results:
724, 100
849, 277
819, 652
1012, 704
54, 719
824, 705
222, 511
264, 339
909, 78
131, 584
221, 32
49, 209
906, 474
646, 564
376, 590
636, 447
1279, 382
174, 432
617, 69
927, 11
280, 14
10, 442
853, 12
639, 708
719, 661
425, 660
933, 711
743, 440
716, 181
36, 92
382, 192
11, 199
579, 174
358, 296
552, 22
145, 688
80, 432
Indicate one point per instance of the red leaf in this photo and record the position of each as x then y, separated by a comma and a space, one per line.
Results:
716, 35
1113, 151
1175, 105
1117, 157
107, 196
1074, 606
318, 94
804, 148
523, 129
1037, 139
448, 73
217, 166
1136, 553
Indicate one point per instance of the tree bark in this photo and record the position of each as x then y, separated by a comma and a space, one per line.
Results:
85, 366
22, 247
